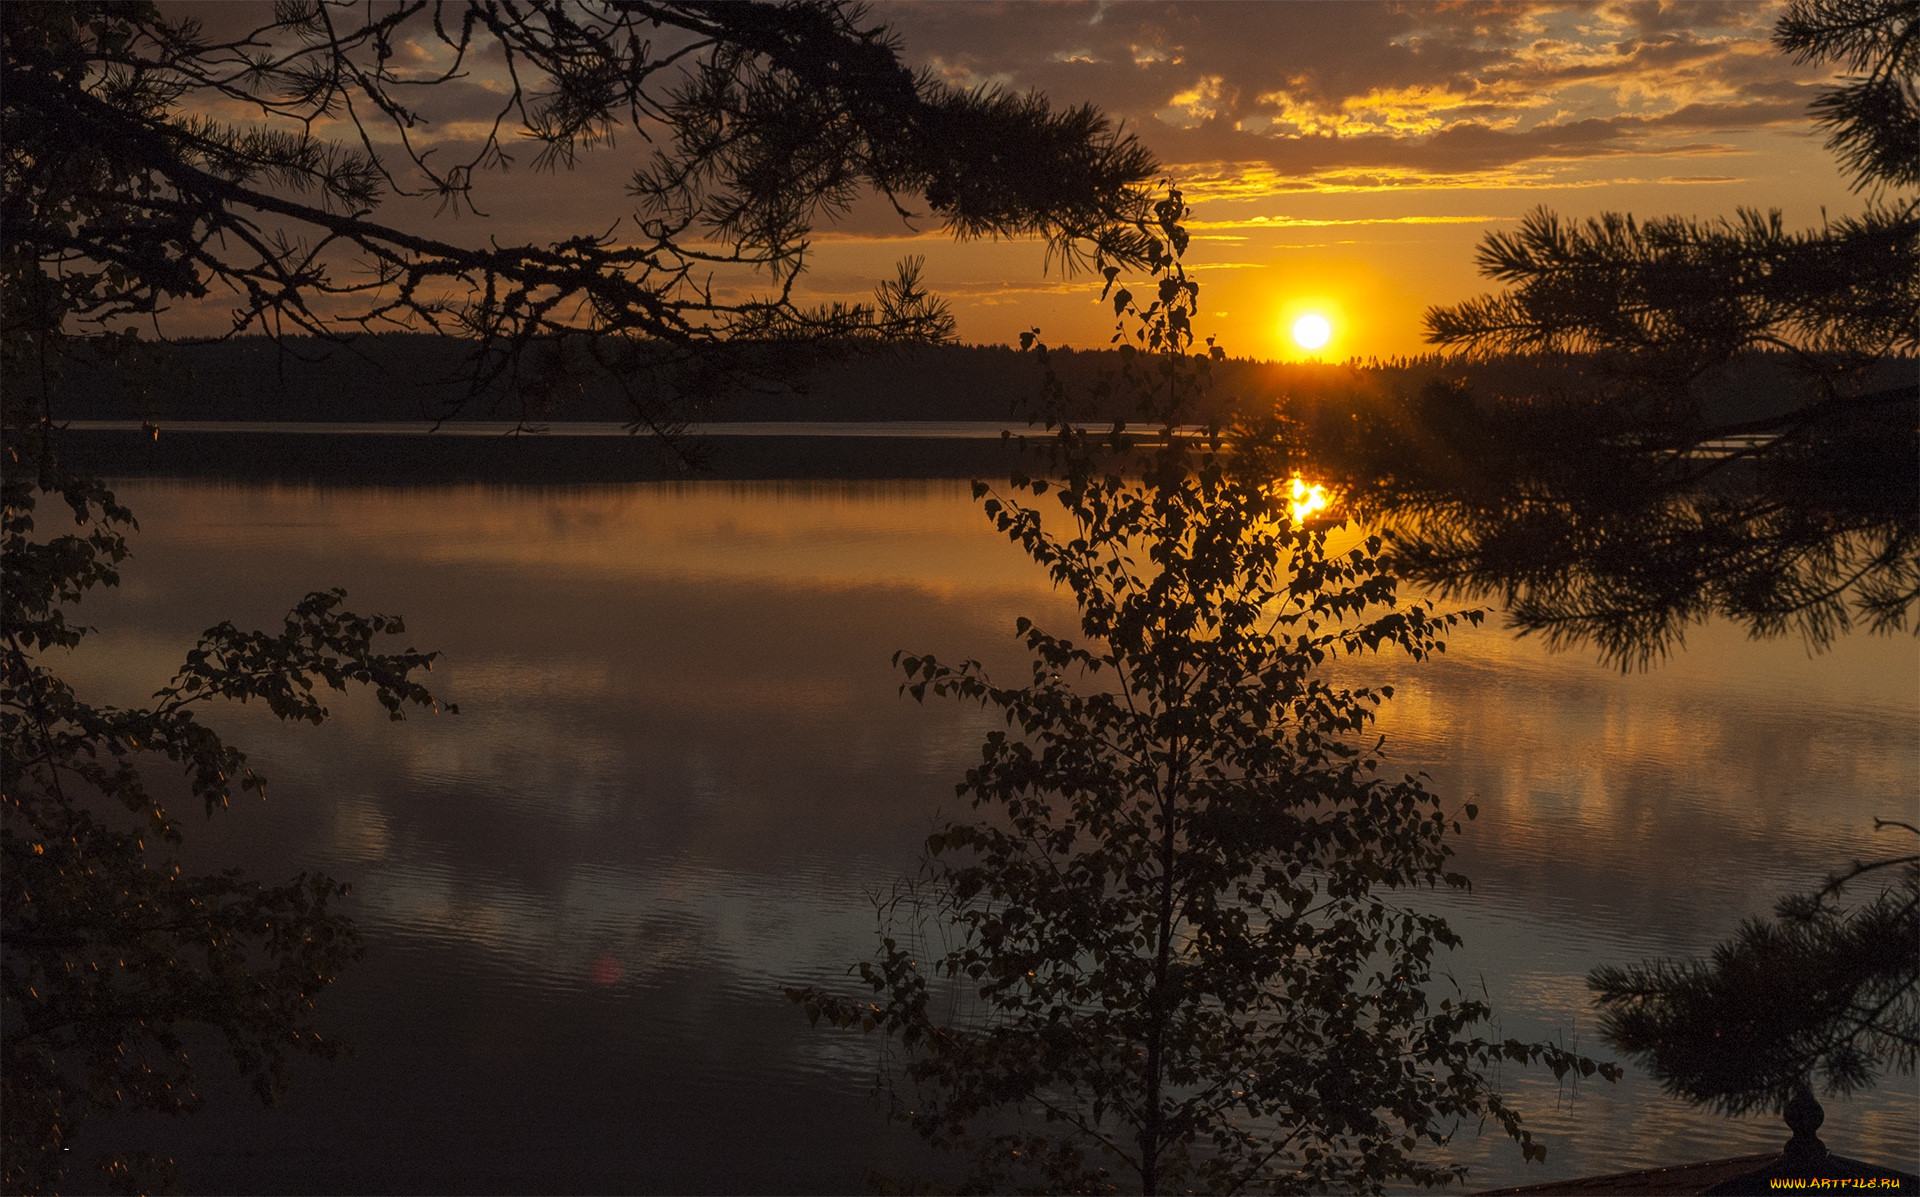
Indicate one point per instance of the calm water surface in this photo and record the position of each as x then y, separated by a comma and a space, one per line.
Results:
681, 767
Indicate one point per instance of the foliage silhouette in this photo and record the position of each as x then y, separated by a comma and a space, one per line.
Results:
1596, 526
1613, 509
1175, 961
111, 952
125, 194
1873, 117
1618, 513
764, 121
1820, 992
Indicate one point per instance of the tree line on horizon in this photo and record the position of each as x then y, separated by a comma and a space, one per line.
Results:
420, 377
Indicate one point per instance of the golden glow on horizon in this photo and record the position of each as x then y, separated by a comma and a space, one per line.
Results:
1312, 331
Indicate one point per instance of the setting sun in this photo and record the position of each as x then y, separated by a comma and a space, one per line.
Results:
1311, 331
1312, 321
1305, 497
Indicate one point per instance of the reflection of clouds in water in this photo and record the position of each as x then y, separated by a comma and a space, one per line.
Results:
1662, 798
115, 665
530, 678
682, 752
1558, 999
658, 921
924, 535
358, 830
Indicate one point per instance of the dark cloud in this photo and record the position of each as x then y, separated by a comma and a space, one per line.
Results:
1310, 89
1319, 92
1731, 116
457, 101
1670, 15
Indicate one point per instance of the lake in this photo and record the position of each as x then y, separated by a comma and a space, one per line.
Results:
682, 767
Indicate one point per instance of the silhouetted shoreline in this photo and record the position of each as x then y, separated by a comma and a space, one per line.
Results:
524, 460
411, 377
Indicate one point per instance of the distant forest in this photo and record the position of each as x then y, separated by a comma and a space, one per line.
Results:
407, 377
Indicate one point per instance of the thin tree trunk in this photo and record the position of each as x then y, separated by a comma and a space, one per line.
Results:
1159, 1007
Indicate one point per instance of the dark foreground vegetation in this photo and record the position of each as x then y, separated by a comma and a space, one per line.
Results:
1180, 945
123, 198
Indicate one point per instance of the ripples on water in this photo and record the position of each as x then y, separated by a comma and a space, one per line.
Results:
682, 768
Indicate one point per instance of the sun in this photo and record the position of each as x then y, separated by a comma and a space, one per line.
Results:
1312, 324
1311, 331
1304, 498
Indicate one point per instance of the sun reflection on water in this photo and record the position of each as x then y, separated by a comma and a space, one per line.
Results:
1305, 498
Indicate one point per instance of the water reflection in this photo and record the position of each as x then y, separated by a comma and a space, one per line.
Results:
682, 762
1609, 512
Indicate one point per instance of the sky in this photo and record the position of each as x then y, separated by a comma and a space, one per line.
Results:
1347, 157
1341, 158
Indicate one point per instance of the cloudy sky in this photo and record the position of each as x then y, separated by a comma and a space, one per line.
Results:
1341, 157
1350, 155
